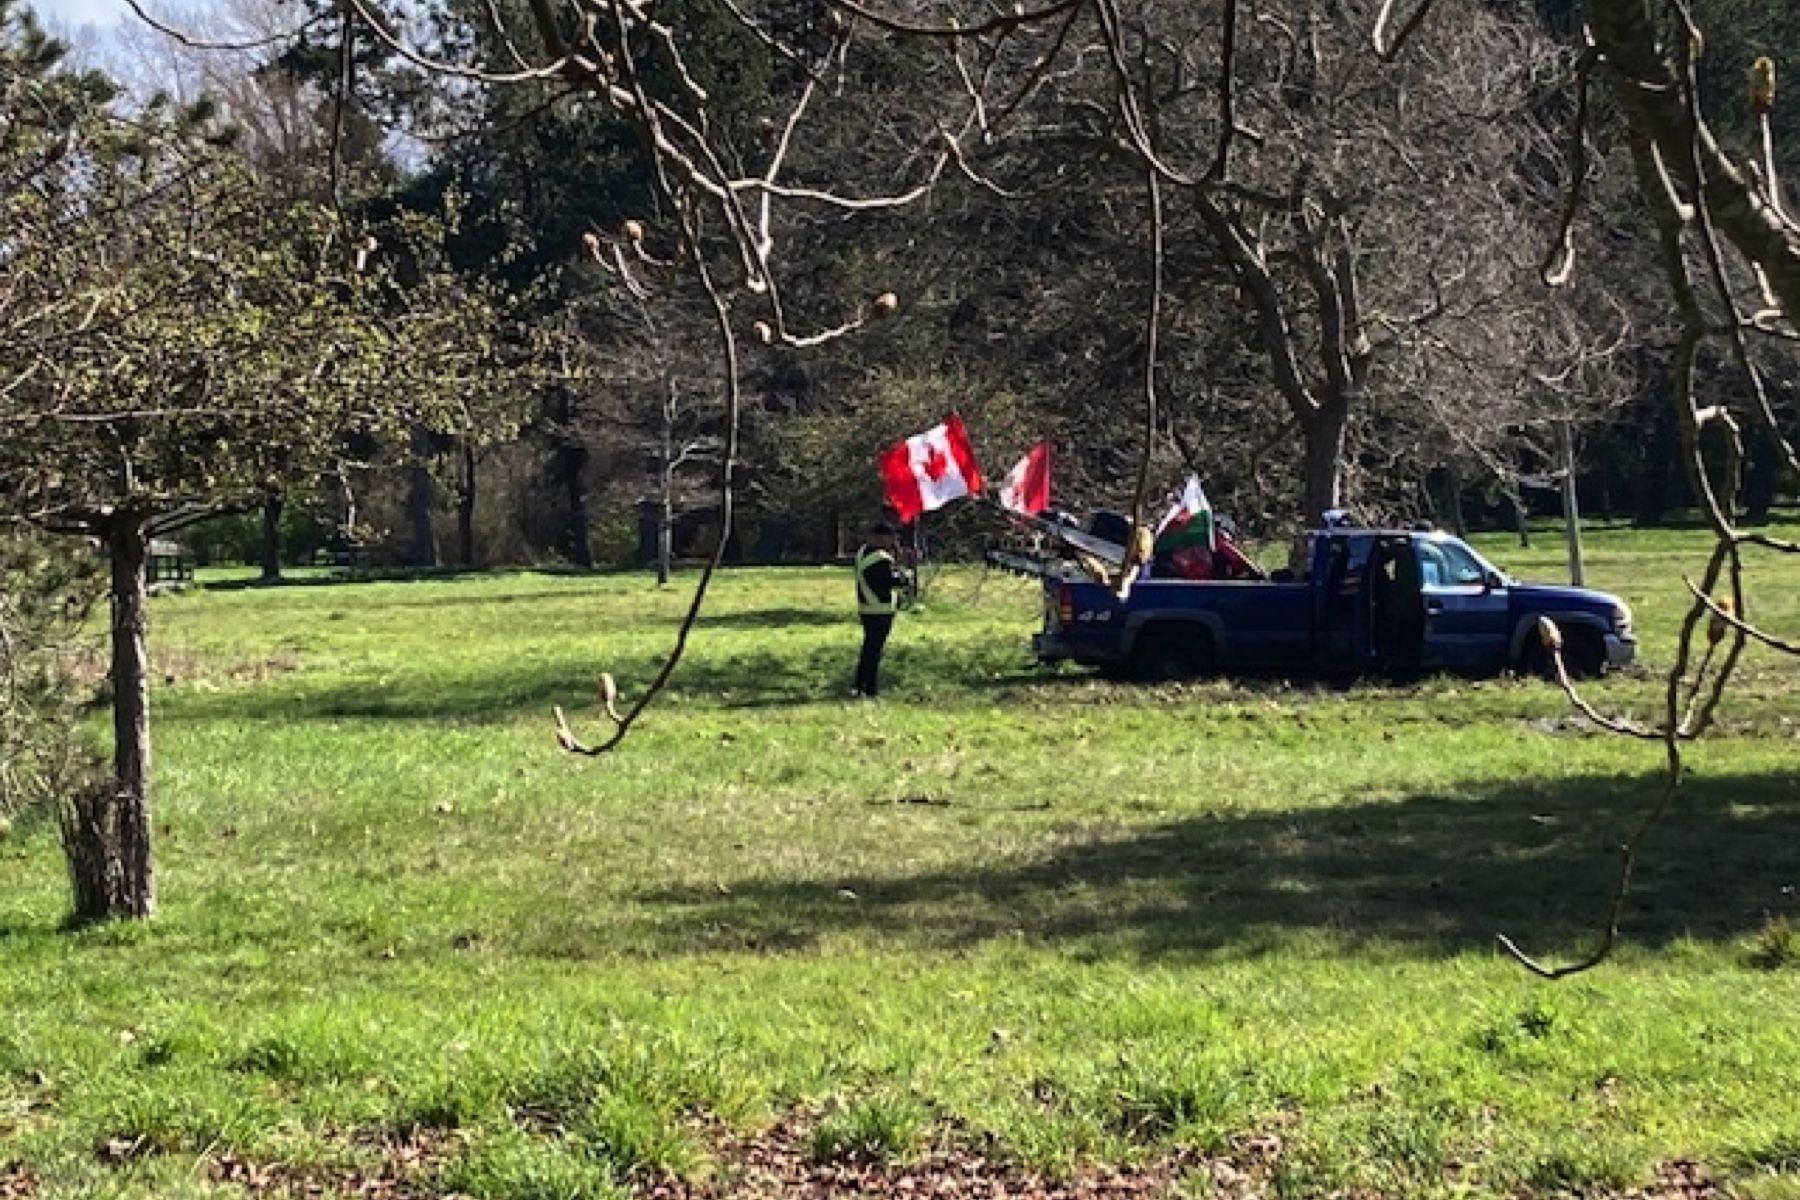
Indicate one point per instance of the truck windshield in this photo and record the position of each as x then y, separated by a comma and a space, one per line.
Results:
1446, 564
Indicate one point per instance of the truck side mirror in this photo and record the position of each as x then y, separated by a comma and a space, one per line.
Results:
1490, 581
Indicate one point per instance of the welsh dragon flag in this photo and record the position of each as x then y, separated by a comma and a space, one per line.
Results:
1188, 523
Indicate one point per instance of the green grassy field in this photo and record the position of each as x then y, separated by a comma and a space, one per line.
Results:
1061, 921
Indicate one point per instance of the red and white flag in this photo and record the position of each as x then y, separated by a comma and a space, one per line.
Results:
928, 471
1027, 486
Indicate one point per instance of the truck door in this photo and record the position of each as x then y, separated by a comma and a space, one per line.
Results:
1466, 608
1341, 601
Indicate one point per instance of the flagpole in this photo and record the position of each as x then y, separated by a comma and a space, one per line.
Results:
918, 556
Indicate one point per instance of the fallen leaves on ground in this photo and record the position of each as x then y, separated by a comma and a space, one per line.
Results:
405, 1169
777, 1164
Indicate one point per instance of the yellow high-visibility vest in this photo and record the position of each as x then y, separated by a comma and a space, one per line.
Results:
868, 604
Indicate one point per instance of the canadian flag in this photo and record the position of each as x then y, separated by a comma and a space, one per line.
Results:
1027, 486
928, 471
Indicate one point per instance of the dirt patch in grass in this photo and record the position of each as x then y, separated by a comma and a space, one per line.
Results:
90, 667
1681, 1179
17, 1183
176, 665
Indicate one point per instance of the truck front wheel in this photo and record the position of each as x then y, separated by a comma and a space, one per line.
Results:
1584, 655
1163, 652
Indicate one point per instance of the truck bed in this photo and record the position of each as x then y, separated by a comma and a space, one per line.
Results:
1248, 623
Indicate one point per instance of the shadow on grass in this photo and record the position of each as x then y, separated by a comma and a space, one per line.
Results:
1433, 872
742, 679
345, 576
781, 618
312, 577
755, 680
1001, 673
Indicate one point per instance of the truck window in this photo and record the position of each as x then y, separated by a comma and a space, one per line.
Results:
1445, 564
1337, 562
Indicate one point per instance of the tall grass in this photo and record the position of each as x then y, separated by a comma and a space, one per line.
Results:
1069, 920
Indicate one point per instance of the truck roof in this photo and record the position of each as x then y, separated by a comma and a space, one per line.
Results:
1376, 531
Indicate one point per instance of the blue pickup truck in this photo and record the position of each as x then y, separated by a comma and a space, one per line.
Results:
1370, 600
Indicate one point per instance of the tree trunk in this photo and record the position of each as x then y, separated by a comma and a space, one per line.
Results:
1521, 520
347, 499
1453, 500
272, 505
568, 468
128, 544
465, 507
568, 471
665, 532
1659, 445
423, 548
571, 469
665, 497
1762, 476
1571, 507
1323, 432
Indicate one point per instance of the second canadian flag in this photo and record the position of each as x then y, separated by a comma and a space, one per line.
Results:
1027, 486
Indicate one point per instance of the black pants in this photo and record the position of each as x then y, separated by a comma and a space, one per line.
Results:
868, 663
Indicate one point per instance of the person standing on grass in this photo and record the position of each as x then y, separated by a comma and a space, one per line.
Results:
878, 582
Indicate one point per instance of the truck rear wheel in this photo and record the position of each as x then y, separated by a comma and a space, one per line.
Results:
1169, 651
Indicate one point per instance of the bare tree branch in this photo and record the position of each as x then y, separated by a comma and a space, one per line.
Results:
1731, 618
999, 23
1135, 558
193, 42
728, 350
1387, 48
1559, 260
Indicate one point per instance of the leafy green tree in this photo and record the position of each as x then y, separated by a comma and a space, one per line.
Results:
301, 138
477, 387
44, 595
176, 347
